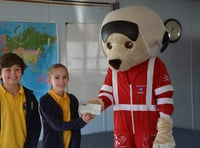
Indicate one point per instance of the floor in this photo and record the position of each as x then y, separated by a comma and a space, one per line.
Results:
184, 139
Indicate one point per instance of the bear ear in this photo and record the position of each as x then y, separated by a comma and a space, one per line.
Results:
165, 41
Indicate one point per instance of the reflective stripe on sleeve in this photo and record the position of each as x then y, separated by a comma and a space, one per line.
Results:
163, 115
161, 101
109, 96
106, 88
163, 89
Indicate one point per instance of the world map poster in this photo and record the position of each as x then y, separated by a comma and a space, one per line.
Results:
36, 43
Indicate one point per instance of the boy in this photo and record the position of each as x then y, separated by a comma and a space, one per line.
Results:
20, 121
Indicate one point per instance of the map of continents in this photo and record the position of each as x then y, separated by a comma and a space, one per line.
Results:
36, 43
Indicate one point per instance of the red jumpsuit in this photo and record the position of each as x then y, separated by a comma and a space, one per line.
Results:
139, 96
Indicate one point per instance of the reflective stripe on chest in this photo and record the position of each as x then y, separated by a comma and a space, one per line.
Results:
147, 106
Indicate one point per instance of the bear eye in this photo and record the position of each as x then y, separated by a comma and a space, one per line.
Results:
109, 45
128, 44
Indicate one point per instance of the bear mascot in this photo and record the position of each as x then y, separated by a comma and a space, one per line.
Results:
137, 83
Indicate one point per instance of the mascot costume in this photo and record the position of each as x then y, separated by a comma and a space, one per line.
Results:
137, 83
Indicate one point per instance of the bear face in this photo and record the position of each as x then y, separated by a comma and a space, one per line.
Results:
131, 35
120, 51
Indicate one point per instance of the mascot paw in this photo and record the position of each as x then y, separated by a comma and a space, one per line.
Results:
170, 144
164, 137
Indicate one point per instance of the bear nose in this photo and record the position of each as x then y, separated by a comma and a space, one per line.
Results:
115, 63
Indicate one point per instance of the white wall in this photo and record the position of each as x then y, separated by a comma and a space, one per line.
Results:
87, 66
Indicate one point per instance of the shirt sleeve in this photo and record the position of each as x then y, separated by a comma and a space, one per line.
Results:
163, 89
106, 91
56, 123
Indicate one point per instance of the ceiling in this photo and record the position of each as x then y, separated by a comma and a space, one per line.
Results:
71, 2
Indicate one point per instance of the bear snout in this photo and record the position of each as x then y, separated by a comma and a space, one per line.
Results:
115, 63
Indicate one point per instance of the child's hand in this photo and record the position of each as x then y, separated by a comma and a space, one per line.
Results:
87, 117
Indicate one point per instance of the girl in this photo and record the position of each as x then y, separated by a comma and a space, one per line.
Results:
59, 110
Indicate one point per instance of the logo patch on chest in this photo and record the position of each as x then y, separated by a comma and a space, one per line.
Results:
140, 89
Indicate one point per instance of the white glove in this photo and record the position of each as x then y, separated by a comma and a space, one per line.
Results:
164, 137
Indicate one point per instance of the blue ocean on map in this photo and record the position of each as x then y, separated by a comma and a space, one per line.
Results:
37, 80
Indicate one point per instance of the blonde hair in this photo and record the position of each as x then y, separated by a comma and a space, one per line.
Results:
55, 66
